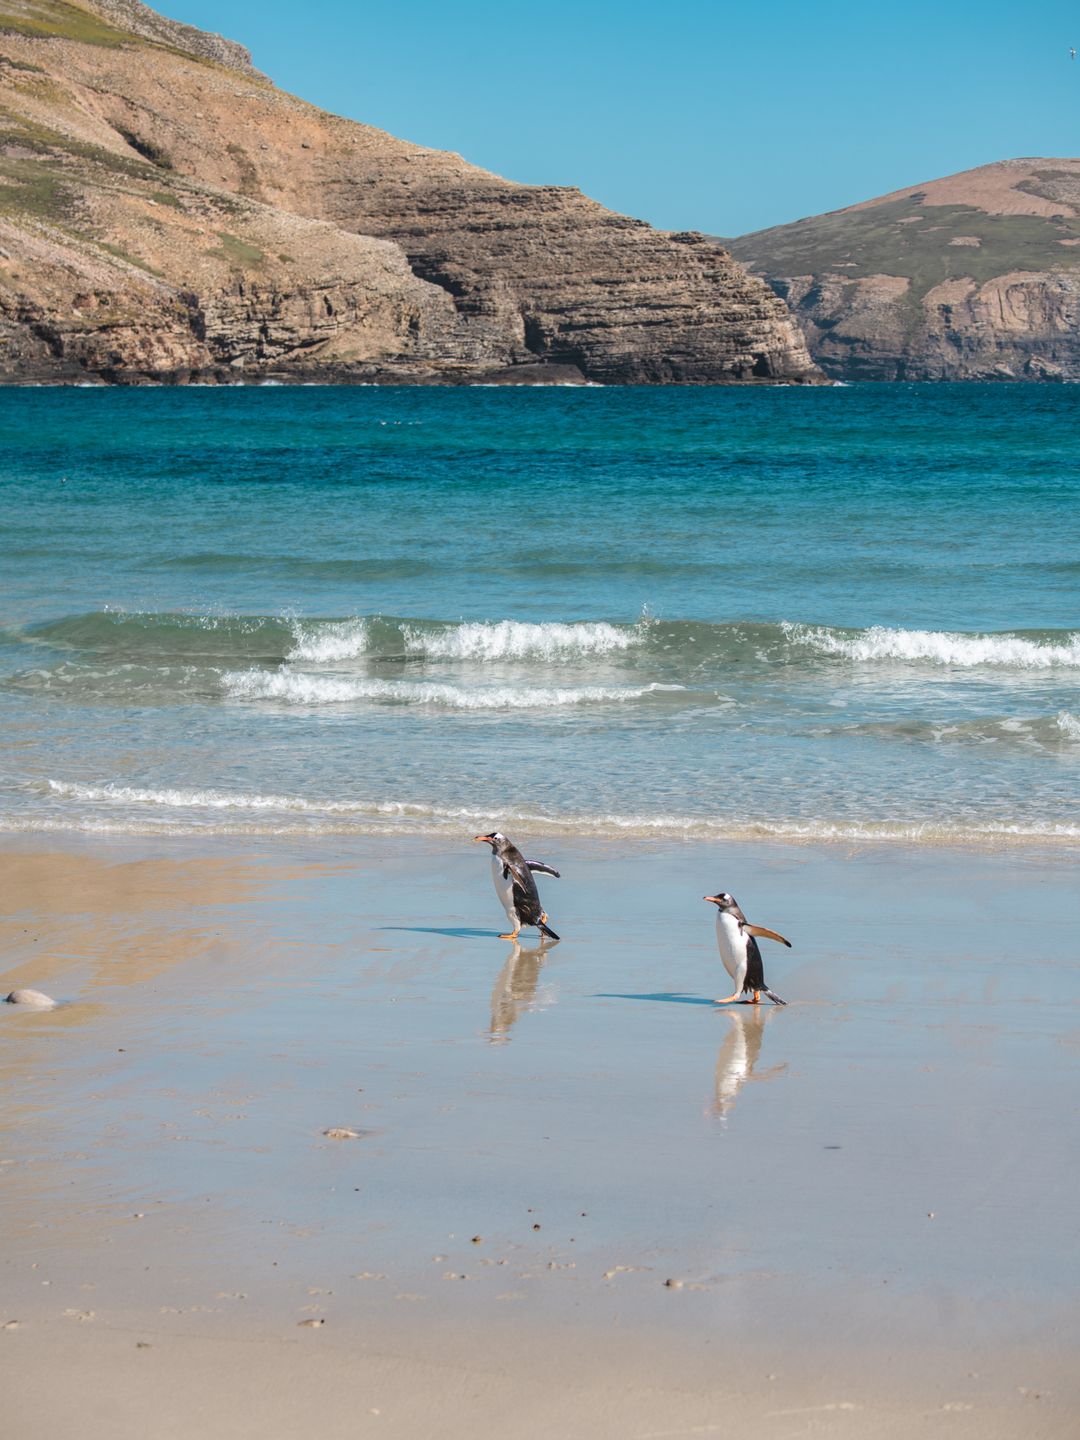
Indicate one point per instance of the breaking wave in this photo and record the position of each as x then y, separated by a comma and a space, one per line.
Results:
517, 640
329, 641
269, 639
759, 669
1023, 650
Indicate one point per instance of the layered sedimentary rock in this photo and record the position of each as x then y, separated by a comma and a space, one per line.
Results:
972, 277
166, 212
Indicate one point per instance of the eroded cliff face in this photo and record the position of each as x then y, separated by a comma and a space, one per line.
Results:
1017, 326
973, 277
166, 212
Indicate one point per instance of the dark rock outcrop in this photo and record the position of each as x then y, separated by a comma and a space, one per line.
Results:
165, 212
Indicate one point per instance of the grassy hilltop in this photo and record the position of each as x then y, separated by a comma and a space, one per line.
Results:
971, 276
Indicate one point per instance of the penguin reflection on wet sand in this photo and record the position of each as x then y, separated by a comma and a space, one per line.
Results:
515, 886
515, 989
739, 950
738, 1058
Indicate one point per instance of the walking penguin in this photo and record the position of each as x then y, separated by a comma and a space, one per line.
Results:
739, 950
515, 886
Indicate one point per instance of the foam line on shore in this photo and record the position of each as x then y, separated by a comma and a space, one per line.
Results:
115, 808
301, 688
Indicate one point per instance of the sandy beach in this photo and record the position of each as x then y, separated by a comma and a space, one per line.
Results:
572, 1197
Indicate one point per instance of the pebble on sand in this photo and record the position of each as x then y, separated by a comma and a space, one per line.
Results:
341, 1132
310, 1324
34, 999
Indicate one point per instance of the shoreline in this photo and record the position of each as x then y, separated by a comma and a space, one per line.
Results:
881, 1158
1051, 842
540, 375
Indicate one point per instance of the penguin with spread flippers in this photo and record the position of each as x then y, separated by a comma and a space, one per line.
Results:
739, 950
515, 886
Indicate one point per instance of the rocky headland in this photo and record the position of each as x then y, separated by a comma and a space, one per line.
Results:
972, 277
167, 213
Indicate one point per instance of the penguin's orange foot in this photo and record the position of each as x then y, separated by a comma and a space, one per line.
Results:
510, 935
757, 998
727, 999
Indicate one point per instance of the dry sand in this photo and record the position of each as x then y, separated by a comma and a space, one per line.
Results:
866, 1201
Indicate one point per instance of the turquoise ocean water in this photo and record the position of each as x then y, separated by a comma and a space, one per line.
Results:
840, 613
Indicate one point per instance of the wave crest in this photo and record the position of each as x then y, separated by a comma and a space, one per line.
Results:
519, 640
331, 641
682, 646
942, 647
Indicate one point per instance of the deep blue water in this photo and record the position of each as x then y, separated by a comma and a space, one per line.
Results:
836, 611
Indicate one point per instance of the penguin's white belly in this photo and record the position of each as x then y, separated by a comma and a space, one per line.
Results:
504, 888
732, 943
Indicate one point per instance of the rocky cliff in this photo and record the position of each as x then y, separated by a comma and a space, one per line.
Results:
972, 277
167, 213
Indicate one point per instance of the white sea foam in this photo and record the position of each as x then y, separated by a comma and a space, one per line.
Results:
329, 641
1069, 725
298, 688
941, 647
182, 810
326, 643
516, 640
210, 799
175, 799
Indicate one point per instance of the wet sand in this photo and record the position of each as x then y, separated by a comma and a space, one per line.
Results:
864, 1201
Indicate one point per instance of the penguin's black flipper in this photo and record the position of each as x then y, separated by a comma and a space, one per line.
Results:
547, 930
538, 867
774, 998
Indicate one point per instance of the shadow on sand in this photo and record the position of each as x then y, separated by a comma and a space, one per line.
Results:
667, 997
455, 932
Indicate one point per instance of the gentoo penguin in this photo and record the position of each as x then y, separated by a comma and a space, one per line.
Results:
515, 886
739, 950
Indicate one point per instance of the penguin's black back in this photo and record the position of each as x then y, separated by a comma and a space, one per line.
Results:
755, 969
527, 902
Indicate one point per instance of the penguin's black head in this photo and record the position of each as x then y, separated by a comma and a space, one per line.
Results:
495, 839
723, 901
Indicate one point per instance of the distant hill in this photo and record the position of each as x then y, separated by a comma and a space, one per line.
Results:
166, 213
974, 276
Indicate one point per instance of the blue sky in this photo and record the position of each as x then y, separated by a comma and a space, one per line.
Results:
716, 117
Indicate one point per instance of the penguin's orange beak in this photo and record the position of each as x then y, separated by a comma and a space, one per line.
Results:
485, 838
712, 899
